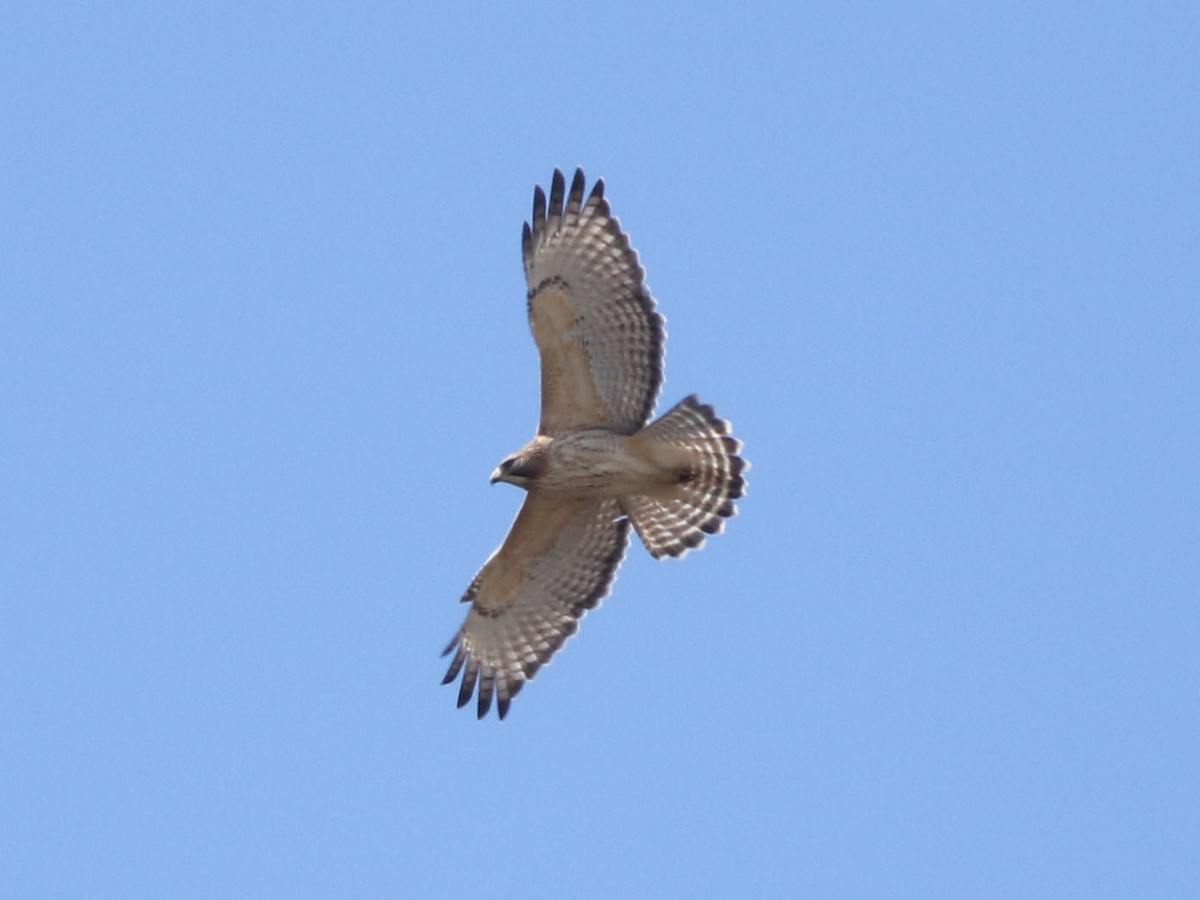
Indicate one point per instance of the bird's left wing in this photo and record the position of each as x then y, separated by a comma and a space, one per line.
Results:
557, 562
597, 331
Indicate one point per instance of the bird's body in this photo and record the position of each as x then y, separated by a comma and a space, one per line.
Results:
595, 463
595, 467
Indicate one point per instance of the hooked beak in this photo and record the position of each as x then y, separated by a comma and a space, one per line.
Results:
496, 476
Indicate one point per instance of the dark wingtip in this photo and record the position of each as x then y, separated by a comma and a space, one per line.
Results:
555, 210
468, 685
485, 698
539, 210
456, 663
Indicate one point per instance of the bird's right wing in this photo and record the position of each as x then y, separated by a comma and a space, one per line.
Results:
594, 321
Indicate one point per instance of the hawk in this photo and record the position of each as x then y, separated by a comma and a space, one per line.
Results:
595, 467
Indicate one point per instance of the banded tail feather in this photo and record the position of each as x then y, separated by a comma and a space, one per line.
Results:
709, 476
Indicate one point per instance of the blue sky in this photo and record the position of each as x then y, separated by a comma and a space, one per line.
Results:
263, 341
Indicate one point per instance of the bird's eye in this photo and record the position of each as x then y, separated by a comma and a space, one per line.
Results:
506, 466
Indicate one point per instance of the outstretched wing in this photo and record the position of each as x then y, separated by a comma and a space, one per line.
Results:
558, 561
600, 339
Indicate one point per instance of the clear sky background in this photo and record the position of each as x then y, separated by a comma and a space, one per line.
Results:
263, 340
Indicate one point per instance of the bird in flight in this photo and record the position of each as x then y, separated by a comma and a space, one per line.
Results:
597, 465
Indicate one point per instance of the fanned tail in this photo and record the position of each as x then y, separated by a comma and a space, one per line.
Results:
708, 479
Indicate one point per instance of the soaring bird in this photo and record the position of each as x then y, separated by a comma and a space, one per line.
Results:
597, 464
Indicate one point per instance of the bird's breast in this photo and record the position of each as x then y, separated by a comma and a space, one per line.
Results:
595, 463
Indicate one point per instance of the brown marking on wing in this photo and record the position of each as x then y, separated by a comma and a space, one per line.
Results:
538, 525
570, 397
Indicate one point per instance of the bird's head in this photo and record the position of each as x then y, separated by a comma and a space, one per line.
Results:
520, 469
